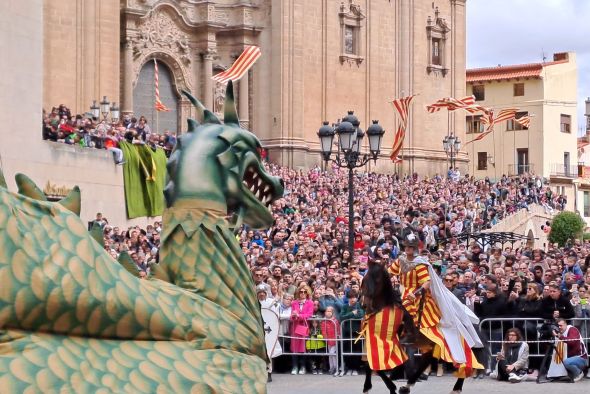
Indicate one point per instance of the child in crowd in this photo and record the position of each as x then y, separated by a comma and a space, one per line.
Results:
330, 331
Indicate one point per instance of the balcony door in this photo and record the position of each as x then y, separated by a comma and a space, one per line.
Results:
522, 158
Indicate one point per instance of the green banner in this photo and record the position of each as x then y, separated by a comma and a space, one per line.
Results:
144, 174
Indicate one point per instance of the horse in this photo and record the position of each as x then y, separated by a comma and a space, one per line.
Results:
377, 294
382, 305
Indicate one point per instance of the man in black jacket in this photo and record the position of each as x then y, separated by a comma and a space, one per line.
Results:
556, 305
494, 305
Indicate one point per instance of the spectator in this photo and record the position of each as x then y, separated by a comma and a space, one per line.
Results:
330, 328
556, 305
301, 310
353, 312
577, 355
513, 360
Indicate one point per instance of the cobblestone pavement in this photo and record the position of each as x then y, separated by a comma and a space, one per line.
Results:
312, 384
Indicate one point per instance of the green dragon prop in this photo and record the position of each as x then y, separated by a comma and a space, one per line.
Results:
72, 319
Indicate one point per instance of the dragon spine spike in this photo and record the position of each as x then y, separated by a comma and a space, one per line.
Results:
192, 125
97, 234
230, 114
210, 118
196, 103
28, 188
127, 262
2, 180
72, 201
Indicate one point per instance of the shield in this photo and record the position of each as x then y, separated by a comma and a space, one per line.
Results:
271, 332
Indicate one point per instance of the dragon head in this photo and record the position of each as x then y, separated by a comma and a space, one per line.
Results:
221, 164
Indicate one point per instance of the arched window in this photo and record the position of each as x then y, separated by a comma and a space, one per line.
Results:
144, 98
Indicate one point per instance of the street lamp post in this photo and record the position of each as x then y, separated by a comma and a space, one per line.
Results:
451, 145
348, 155
105, 107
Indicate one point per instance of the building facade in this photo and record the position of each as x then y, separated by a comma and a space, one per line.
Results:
544, 91
320, 58
548, 146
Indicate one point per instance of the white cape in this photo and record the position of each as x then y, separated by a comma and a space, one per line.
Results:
457, 319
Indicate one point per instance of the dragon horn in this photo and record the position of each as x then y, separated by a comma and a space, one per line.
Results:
230, 114
204, 113
27, 187
72, 201
2, 180
196, 103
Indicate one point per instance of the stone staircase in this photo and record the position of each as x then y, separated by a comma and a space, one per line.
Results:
528, 223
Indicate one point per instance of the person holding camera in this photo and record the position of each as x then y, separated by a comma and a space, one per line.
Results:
576, 354
556, 305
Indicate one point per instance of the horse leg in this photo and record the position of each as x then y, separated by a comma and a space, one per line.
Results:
458, 387
388, 382
424, 362
368, 385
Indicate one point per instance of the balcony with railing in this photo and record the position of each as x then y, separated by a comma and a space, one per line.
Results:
567, 170
519, 169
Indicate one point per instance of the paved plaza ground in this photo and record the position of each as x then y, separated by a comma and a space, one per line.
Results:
315, 384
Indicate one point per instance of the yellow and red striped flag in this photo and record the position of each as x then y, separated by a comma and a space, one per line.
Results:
158, 105
524, 121
402, 106
451, 104
240, 66
505, 114
490, 120
398, 143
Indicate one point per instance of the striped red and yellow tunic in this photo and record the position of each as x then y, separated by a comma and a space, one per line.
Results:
411, 281
430, 318
381, 340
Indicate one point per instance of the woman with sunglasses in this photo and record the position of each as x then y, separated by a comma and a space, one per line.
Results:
301, 310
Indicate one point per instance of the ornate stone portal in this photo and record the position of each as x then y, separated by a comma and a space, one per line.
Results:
191, 40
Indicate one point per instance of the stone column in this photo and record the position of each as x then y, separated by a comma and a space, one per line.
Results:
244, 93
127, 107
207, 71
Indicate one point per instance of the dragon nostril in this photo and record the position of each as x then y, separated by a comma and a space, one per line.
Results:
282, 182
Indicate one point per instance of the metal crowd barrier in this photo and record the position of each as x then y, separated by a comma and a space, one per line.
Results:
535, 333
347, 345
286, 337
491, 331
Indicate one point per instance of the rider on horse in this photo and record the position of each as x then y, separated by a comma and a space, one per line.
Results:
381, 325
439, 316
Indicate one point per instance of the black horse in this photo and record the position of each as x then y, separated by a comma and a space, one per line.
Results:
378, 293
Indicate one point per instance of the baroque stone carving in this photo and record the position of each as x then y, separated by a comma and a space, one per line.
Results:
159, 31
219, 98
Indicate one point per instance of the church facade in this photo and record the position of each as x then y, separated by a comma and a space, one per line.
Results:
320, 58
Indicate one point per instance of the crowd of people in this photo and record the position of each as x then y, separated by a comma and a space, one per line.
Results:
84, 130
303, 266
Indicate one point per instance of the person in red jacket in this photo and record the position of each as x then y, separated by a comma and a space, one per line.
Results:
330, 331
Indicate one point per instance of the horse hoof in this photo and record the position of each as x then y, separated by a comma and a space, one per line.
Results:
366, 389
404, 390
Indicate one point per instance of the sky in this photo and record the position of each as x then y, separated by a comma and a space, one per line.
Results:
521, 31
